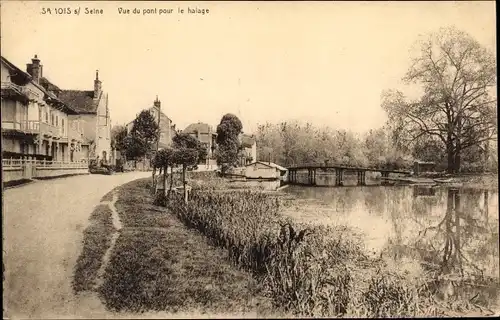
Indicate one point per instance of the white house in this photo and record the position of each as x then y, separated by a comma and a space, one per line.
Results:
248, 152
265, 170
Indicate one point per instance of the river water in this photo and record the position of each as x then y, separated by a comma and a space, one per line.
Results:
439, 229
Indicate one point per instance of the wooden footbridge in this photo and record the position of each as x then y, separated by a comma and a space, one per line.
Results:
338, 171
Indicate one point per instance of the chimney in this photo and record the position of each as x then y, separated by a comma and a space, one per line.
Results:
97, 86
157, 103
35, 69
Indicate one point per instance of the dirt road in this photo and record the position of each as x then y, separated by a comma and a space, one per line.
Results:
42, 232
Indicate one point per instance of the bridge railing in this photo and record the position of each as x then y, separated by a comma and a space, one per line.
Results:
346, 167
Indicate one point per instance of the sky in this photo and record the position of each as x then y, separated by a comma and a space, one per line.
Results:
322, 62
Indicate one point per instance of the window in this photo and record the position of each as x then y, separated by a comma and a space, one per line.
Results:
46, 117
52, 119
57, 120
62, 124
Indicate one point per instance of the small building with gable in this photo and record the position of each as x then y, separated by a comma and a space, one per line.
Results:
265, 170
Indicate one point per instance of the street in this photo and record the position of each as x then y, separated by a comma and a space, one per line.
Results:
43, 226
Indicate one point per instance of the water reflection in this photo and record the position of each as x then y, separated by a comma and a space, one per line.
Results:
449, 234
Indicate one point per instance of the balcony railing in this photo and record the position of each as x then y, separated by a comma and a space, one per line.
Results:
27, 126
30, 126
36, 127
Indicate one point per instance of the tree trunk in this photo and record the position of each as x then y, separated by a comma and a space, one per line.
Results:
486, 155
184, 182
165, 169
171, 182
451, 158
153, 180
457, 158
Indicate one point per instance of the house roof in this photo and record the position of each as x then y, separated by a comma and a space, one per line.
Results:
269, 164
17, 75
198, 127
162, 114
80, 100
49, 86
247, 141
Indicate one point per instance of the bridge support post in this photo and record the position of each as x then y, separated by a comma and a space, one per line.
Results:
313, 177
385, 174
339, 177
361, 178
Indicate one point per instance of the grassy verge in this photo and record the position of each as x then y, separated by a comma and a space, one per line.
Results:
109, 196
160, 265
311, 271
96, 240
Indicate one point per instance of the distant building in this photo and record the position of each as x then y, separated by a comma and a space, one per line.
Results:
248, 149
167, 128
205, 134
167, 133
420, 167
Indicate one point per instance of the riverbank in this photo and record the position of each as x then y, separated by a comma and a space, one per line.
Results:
159, 265
466, 181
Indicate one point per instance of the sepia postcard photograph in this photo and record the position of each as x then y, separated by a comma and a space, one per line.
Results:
249, 159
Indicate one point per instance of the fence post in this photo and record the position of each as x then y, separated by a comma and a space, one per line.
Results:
24, 168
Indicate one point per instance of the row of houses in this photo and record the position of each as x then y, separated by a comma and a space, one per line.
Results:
44, 122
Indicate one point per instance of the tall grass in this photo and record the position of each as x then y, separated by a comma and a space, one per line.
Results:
312, 271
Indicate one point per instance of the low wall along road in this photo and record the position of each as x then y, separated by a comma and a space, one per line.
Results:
26, 169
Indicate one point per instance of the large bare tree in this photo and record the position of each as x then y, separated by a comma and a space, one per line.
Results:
458, 103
